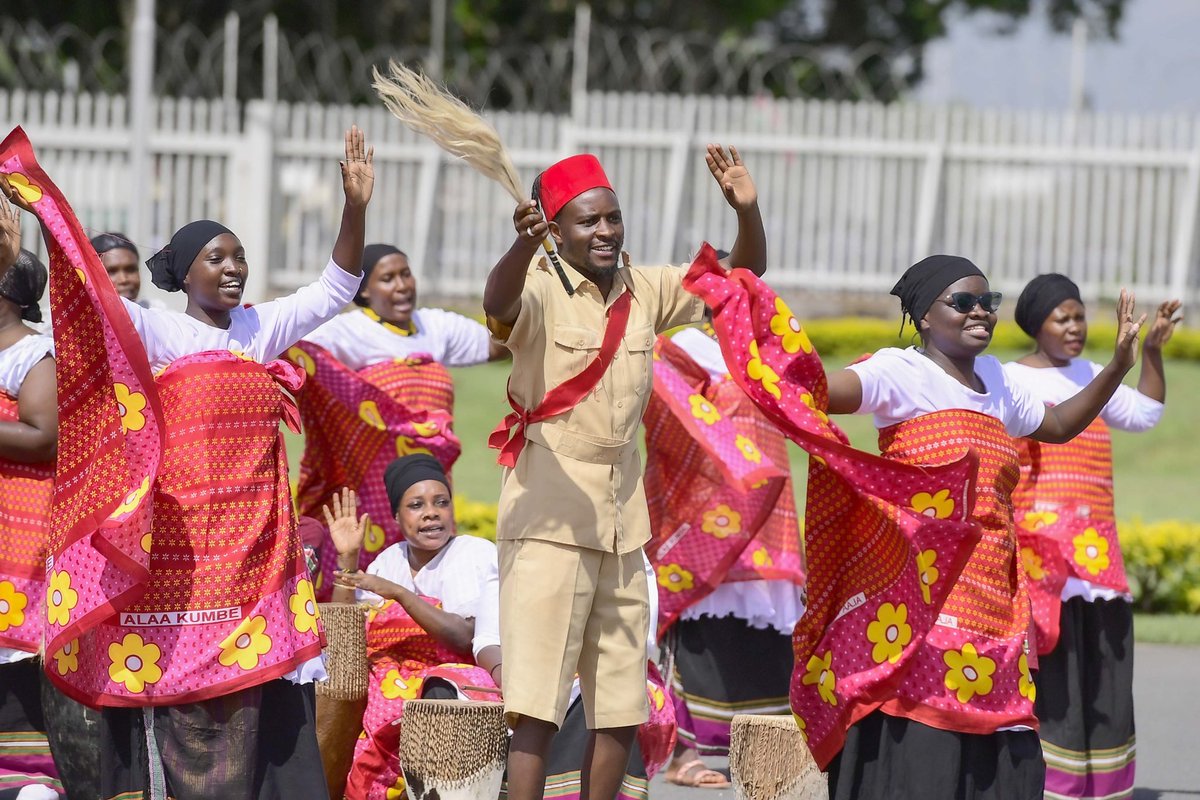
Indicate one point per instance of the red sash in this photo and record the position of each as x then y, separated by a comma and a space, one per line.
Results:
509, 436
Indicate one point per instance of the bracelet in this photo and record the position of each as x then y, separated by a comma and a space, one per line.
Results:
495, 667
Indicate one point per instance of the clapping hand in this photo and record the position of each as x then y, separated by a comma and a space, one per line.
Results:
1125, 352
732, 176
1163, 326
358, 170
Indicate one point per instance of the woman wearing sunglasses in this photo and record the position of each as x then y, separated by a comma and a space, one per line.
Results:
979, 739
1069, 547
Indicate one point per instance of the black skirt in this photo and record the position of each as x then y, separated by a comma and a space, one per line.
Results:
259, 743
893, 758
567, 751
723, 667
1085, 702
25, 758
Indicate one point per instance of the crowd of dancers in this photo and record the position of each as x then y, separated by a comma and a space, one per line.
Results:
949, 618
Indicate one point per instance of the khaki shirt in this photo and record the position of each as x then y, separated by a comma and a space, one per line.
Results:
579, 479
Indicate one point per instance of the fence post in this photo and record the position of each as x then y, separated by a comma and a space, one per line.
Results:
677, 173
426, 203
931, 195
230, 47
251, 169
141, 94
579, 61
1185, 229
270, 58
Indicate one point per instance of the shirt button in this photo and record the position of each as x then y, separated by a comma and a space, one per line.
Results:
620, 404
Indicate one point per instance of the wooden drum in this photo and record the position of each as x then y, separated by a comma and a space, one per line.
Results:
342, 699
769, 760
453, 749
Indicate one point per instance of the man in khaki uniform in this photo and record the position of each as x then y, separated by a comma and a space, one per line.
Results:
573, 518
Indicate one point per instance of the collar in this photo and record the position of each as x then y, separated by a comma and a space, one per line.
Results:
409, 331
577, 278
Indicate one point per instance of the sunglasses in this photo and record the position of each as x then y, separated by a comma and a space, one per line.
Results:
965, 302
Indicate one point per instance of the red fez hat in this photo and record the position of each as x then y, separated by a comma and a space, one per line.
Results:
569, 178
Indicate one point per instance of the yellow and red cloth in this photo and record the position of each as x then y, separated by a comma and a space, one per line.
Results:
717, 486
356, 423
886, 539
174, 572
1064, 512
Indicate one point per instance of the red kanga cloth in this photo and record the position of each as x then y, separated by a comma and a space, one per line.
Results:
718, 487
886, 625
1064, 511
25, 493
356, 423
175, 572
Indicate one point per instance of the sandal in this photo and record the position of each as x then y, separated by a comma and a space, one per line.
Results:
702, 778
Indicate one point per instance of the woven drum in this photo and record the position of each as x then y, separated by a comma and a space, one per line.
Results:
769, 760
342, 699
453, 749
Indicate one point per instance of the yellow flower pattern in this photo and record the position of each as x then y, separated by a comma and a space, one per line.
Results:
393, 686
784, 324
130, 404
1035, 520
1091, 551
132, 500
248, 642
762, 558
721, 521
368, 412
927, 572
60, 598
12, 606
1025, 684
889, 632
374, 538
66, 660
703, 410
969, 673
756, 370
426, 429
303, 360
396, 791
810, 401
675, 578
748, 449
134, 662
819, 671
938, 505
1032, 563
303, 605
801, 724
406, 447
29, 191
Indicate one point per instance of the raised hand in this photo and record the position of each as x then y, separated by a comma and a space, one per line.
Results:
358, 170
345, 527
10, 234
1163, 325
1125, 352
732, 176
531, 226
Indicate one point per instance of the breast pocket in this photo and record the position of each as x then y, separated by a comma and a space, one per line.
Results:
574, 348
639, 344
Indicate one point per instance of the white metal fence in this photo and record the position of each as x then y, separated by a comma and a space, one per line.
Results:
851, 193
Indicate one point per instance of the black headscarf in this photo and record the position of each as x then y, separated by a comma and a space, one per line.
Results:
1040, 297
24, 283
924, 282
113, 241
372, 254
404, 472
169, 266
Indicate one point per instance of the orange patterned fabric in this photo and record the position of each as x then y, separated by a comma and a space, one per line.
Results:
1064, 512
418, 383
25, 494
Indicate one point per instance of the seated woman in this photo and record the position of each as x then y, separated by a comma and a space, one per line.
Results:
433, 602
373, 371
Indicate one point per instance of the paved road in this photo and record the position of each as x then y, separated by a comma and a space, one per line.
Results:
1167, 697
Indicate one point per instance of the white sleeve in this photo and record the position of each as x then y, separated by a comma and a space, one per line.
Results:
142, 320
467, 341
1129, 409
384, 567
283, 322
487, 615
1023, 413
652, 582
877, 375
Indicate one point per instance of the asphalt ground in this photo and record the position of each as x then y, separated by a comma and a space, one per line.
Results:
1167, 703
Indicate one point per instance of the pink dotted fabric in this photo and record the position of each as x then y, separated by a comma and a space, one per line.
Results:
886, 541
717, 486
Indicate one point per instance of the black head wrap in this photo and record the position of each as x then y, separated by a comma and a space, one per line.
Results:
169, 266
24, 283
924, 282
1040, 297
372, 254
404, 472
113, 241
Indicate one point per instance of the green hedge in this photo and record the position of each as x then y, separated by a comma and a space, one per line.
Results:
854, 336
1162, 559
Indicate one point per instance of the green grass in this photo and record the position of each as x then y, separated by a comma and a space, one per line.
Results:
1167, 628
1155, 471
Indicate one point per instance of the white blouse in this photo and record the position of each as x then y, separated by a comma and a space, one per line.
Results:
899, 385
464, 576
261, 332
358, 341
